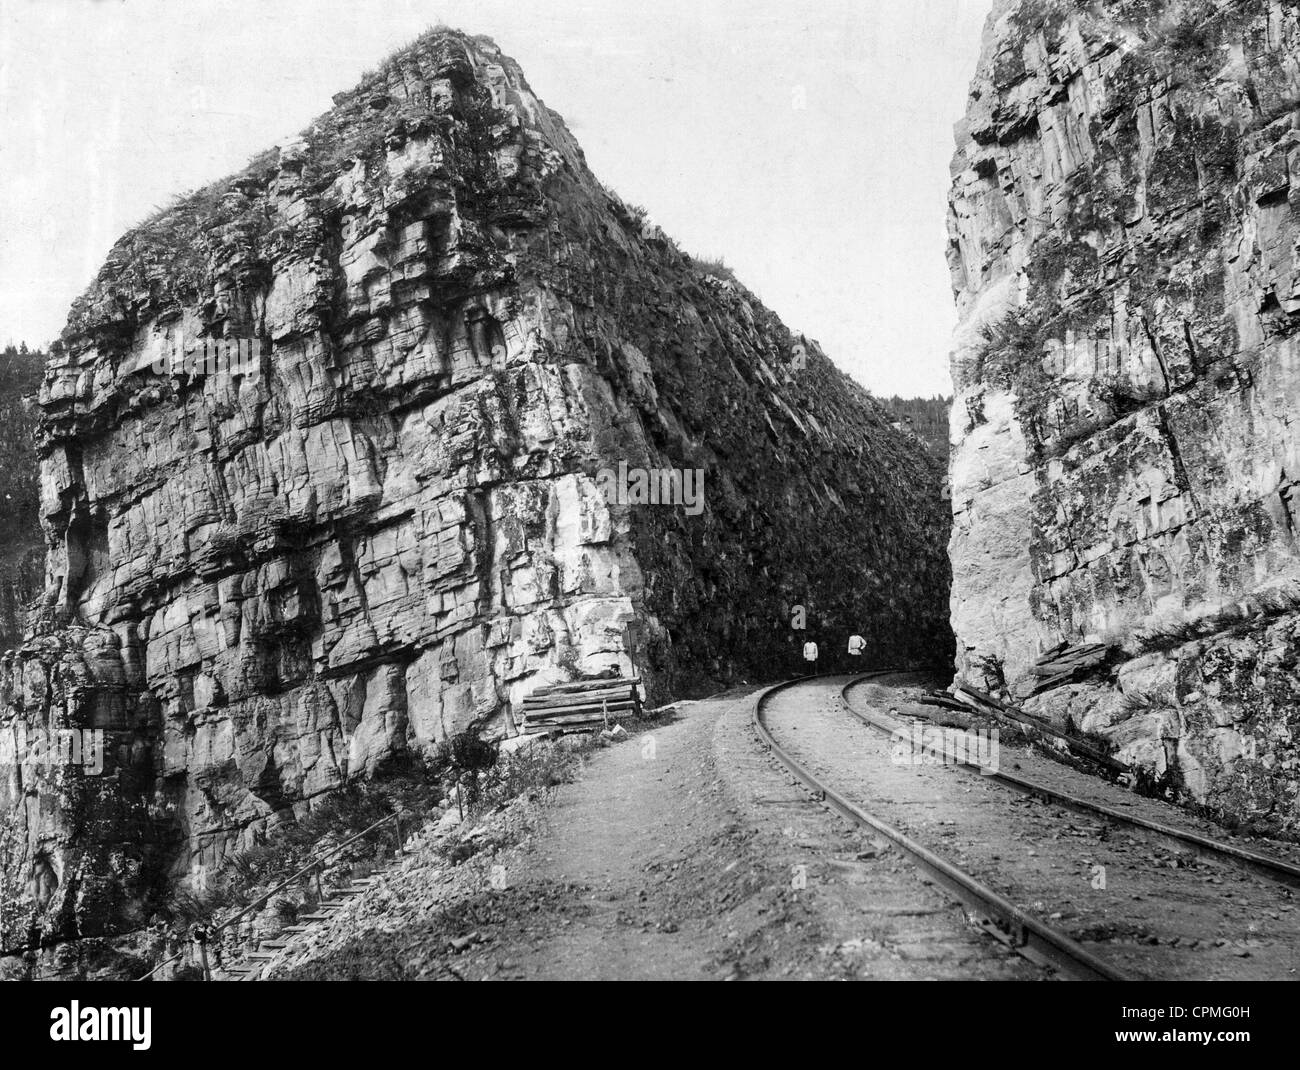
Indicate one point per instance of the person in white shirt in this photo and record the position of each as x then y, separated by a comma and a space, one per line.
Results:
857, 645
810, 656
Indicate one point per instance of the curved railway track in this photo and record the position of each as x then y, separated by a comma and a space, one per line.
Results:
1012, 864
1275, 869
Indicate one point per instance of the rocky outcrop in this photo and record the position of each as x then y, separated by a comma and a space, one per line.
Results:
1124, 252
489, 429
22, 548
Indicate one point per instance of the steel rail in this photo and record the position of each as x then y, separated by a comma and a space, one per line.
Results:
1273, 868
1021, 932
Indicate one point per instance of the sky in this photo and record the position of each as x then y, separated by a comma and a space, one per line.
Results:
805, 142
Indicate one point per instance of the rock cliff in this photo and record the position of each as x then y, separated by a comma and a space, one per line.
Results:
428, 490
1124, 250
22, 549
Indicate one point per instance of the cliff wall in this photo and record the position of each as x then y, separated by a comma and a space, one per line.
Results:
1125, 454
22, 546
421, 498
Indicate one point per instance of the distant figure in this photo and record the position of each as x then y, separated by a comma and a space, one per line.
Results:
809, 657
857, 645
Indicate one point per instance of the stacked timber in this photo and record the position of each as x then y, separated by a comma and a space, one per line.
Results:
1065, 664
581, 705
944, 700
982, 701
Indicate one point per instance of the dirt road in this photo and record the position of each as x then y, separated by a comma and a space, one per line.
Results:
680, 853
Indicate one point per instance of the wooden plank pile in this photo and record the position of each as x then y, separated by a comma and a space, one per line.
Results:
944, 700
1067, 663
1014, 715
581, 705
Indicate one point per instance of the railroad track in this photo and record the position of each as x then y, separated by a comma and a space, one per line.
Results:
854, 775
1275, 869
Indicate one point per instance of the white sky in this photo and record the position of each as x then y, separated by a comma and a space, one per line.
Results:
832, 213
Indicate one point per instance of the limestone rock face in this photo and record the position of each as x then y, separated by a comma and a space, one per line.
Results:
1126, 258
422, 498
22, 547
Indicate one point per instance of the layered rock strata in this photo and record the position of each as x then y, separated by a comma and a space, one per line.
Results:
1126, 258
499, 432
